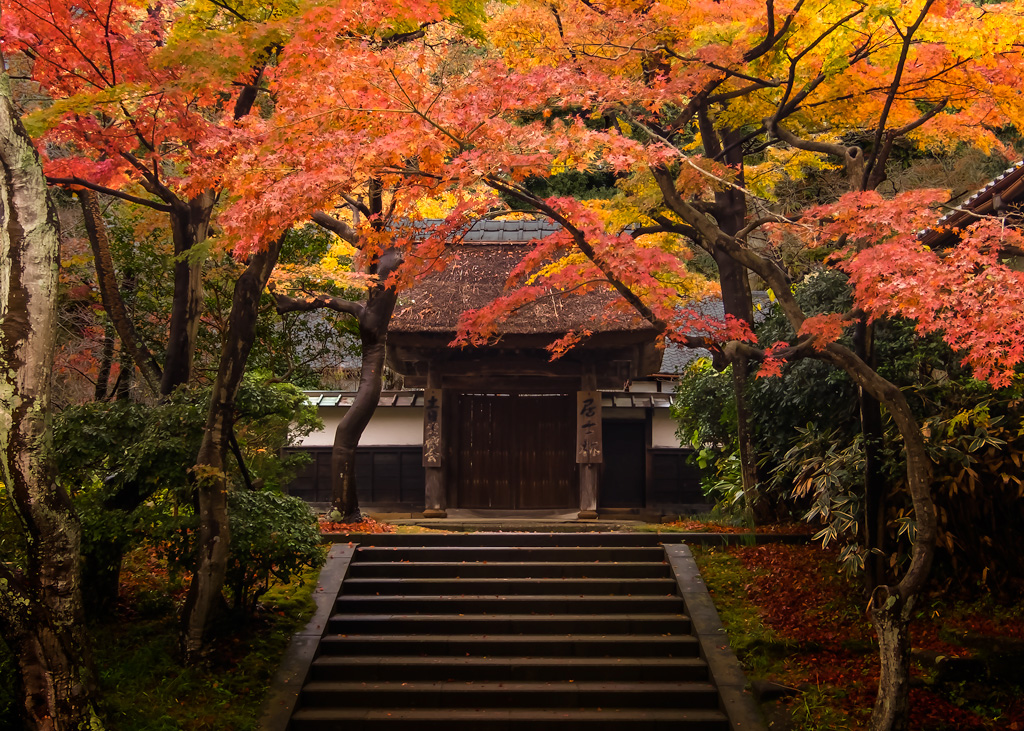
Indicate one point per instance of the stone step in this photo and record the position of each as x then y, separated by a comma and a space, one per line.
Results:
510, 553
538, 624
510, 586
512, 668
579, 632
506, 538
497, 644
506, 719
505, 569
511, 694
502, 604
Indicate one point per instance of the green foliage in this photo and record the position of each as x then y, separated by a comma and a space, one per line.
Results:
127, 466
723, 487
274, 416
10, 704
105, 447
807, 431
705, 407
272, 536
144, 688
574, 184
830, 472
978, 448
303, 348
810, 394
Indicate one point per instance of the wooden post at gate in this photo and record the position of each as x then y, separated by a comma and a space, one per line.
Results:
589, 447
435, 495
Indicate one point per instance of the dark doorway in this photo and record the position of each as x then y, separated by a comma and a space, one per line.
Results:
625, 464
514, 452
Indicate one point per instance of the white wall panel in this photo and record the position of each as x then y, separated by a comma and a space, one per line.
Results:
389, 426
663, 430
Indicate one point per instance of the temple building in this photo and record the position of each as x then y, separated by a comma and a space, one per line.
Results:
503, 427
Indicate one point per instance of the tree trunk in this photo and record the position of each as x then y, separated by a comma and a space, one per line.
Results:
190, 223
373, 328
890, 615
730, 212
41, 608
106, 279
875, 488
106, 363
891, 606
204, 595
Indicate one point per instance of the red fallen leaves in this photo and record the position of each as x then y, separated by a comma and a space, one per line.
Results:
800, 596
701, 526
366, 525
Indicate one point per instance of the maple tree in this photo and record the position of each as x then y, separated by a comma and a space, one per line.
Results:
703, 111
136, 101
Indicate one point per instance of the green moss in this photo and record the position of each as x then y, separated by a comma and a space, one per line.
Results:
758, 648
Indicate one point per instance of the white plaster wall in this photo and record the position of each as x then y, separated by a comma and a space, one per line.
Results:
663, 430
389, 427
628, 413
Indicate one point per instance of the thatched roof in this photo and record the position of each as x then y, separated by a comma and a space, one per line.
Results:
476, 274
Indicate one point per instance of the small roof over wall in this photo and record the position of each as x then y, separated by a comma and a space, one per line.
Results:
999, 197
609, 399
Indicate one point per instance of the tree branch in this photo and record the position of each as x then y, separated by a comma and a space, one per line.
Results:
152, 182
110, 295
81, 183
332, 224
584, 246
284, 304
852, 157
890, 97
768, 270
877, 174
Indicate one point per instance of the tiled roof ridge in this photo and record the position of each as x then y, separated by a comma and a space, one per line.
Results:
966, 206
486, 230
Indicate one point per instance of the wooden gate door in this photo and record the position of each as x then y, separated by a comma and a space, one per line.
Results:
515, 452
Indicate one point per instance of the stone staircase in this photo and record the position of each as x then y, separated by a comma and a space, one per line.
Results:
576, 631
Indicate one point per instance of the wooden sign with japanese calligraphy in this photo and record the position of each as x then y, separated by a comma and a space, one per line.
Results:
432, 427
588, 427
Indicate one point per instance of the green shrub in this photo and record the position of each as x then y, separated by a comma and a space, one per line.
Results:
272, 536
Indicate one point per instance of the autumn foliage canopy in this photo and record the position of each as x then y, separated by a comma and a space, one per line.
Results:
441, 99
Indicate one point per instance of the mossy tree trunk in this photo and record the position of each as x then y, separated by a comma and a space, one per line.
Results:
41, 616
214, 536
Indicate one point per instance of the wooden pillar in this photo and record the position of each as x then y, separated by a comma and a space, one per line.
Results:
589, 452
435, 499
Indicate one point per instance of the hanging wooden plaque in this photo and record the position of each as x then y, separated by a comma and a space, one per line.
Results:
432, 427
588, 427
